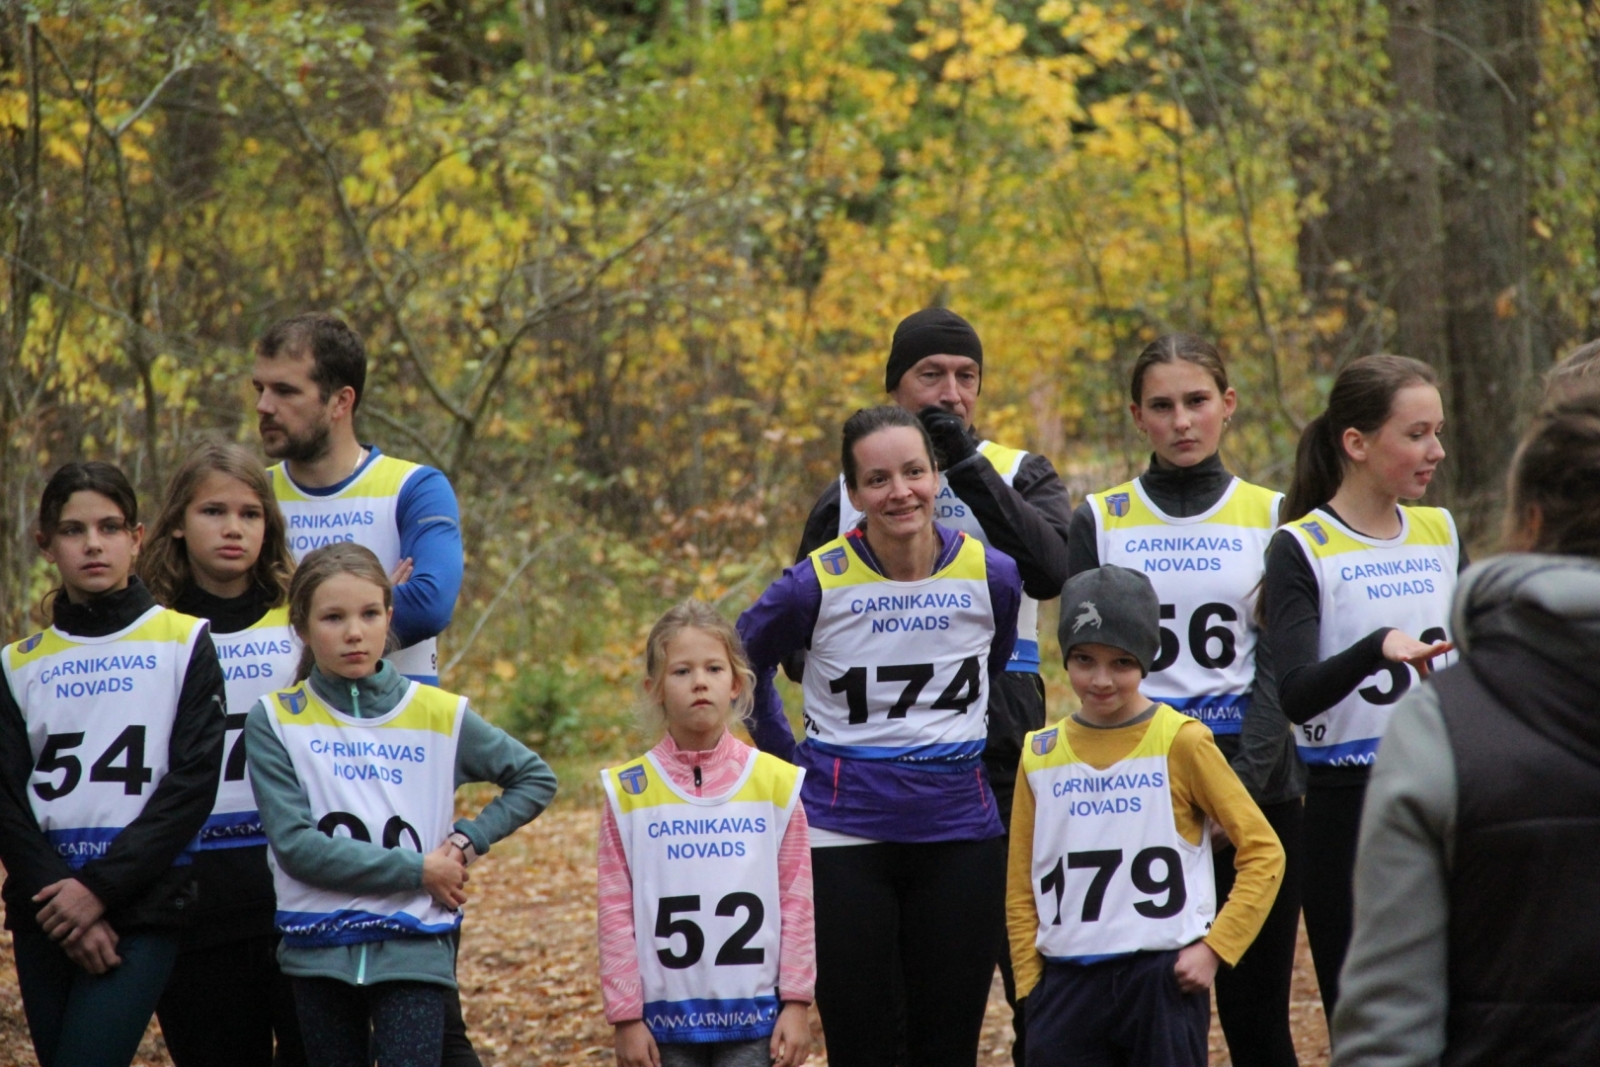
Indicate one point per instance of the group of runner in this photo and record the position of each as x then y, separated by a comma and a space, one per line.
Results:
227, 769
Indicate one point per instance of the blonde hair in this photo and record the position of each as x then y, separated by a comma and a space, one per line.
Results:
693, 614
164, 563
330, 561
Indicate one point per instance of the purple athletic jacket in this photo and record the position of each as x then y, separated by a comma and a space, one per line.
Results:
878, 799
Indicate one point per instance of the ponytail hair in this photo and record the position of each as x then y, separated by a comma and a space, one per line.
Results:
1172, 347
330, 561
1362, 397
1556, 473
868, 421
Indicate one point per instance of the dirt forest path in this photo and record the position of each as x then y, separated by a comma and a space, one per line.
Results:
529, 974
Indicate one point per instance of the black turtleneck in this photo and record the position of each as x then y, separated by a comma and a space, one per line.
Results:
1262, 753
1180, 492
135, 879
228, 615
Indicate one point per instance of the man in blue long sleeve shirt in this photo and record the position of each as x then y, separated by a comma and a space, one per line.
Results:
309, 374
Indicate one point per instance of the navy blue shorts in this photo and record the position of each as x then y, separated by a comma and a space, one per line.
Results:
1123, 1012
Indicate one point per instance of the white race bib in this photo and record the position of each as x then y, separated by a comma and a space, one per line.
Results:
706, 900
255, 661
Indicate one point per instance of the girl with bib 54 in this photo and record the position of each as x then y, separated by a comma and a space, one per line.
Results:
706, 937
355, 770
111, 726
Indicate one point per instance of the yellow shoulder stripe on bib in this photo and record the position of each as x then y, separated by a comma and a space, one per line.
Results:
1042, 749
1251, 506
426, 708
1323, 538
166, 626
278, 616
1003, 459
383, 478
838, 564
638, 784
1430, 526
44, 643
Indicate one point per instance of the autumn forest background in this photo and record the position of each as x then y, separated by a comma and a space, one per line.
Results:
623, 266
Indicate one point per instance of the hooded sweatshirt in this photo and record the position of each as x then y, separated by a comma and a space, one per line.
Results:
1476, 876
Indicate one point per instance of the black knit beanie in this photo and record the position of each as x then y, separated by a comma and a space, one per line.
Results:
929, 332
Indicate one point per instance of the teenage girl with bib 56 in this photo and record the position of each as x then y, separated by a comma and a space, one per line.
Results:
218, 552
111, 731
904, 623
1200, 535
706, 939
1356, 599
355, 770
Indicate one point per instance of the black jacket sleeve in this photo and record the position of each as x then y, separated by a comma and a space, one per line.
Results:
173, 815
822, 525
1083, 546
1266, 760
1307, 684
1027, 520
31, 861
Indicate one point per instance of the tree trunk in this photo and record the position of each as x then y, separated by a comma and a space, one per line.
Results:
1487, 72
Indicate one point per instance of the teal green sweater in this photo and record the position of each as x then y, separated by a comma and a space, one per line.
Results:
484, 753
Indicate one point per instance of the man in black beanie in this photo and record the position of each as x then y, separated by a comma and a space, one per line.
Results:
1005, 497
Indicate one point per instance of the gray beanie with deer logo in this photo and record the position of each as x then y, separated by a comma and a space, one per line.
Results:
1111, 606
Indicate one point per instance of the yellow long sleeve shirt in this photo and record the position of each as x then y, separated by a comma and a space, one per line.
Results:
1202, 785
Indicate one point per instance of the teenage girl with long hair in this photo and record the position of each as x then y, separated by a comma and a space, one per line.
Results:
904, 623
355, 770
111, 731
218, 551
1356, 598
1199, 533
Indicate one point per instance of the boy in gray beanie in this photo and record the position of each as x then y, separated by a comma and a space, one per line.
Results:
1111, 906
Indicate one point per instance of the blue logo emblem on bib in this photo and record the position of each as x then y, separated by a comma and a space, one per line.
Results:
633, 780
31, 643
1045, 743
1318, 534
835, 561
295, 702
1117, 504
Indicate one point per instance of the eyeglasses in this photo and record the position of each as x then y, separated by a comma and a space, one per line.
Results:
77, 531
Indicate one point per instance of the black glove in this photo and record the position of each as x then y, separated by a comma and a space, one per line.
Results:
951, 439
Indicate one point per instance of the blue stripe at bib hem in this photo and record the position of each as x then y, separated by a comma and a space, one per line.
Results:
1359, 753
682, 1022
1222, 713
314, 929
955, 757
234, 829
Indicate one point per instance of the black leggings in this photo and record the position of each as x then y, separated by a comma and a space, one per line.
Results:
1333, 822
1253, 997
914, 921
81, 1020
226, 1003
405, 1021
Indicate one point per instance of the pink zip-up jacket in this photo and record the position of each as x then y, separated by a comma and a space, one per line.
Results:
619, 951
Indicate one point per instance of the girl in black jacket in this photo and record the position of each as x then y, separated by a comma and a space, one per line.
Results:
111, 726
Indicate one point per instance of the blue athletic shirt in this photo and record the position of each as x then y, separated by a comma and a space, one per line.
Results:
429, 522
881, 800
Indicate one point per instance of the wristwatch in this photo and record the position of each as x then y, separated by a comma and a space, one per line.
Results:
469, 852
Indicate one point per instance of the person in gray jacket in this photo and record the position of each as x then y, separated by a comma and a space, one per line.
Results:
1475, 927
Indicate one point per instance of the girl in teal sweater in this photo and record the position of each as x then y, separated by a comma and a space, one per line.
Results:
355, 770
